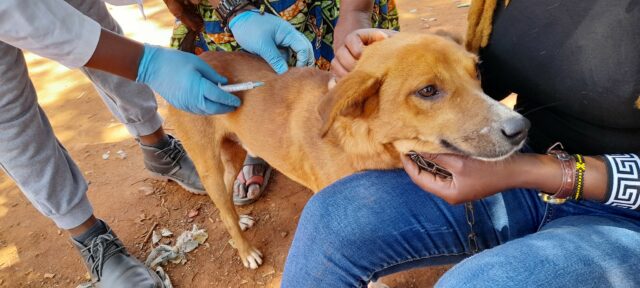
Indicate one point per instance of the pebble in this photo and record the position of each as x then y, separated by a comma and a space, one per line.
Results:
193, 213
49, 275
106, 155
284, 234
414, 10
122, 154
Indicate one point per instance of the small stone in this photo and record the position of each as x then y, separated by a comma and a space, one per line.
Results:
193, 213
166, 232
59, 232
49, 275
268, 270
284, 234
146, 190
433, 19
155, 237
122, 154
414, 10
106, 155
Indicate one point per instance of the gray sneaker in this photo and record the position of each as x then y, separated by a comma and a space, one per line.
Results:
111, 266
173, 163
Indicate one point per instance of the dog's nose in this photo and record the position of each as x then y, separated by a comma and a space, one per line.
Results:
515, 129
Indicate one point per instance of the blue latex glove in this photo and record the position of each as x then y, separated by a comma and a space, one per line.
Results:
185, 81
263, 34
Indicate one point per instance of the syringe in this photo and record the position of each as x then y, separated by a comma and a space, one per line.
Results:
240, 86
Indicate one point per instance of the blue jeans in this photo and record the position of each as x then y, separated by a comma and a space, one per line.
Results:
375, 223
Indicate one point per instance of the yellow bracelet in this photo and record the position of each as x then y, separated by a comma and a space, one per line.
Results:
581, 167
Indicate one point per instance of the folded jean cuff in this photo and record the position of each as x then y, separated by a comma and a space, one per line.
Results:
75, 216
146, 126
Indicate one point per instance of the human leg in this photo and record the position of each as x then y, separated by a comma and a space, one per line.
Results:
42, 168
135, 106
375, 223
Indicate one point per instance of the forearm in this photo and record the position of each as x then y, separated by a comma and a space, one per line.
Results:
544, 172
117, 55
354, 14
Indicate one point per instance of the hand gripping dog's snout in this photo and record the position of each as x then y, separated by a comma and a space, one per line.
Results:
515, 129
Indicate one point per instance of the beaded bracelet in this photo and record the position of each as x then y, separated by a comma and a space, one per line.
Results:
581, 167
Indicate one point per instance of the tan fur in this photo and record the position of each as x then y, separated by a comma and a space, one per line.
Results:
316, 136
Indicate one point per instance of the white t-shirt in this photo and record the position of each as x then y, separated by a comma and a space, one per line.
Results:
52, 29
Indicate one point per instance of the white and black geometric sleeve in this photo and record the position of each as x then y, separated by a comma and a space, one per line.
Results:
624, 180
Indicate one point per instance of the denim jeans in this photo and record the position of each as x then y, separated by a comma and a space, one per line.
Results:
375, 223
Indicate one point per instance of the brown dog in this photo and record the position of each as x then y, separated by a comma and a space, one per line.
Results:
411, 92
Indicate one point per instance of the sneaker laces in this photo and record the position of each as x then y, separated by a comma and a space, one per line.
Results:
100, 249
173, 152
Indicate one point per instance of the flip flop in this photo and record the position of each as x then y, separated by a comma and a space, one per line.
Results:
242, 187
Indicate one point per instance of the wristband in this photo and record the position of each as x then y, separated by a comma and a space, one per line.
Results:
567, 163
623, 189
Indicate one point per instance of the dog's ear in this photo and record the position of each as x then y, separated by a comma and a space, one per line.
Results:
453, 36
348, 98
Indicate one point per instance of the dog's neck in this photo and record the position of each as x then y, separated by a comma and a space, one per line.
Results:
362, 145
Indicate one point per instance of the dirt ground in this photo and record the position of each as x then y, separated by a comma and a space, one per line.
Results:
34, 253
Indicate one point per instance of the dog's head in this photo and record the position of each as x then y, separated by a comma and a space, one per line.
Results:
422, 92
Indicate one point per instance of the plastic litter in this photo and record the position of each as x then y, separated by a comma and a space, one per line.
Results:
186, 242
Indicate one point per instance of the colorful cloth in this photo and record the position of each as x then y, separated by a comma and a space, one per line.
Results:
316, 19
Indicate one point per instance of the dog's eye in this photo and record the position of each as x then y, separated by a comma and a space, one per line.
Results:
428, 91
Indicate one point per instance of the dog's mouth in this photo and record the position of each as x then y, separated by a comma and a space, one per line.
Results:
453, 148
457, 150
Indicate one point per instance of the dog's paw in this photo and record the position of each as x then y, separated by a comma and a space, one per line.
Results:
246, 222
253, 260
378, 284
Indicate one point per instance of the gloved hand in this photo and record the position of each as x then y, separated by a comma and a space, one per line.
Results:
185, 81
262, 34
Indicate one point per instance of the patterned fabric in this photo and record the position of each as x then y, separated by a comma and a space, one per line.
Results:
316, 19
624, 180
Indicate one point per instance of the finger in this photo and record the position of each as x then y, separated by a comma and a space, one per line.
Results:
212, 108
272, 55
354, 43
357, 41
346, 59
208, 72
337, 69
300, 45
447, 161
213, 93
427, 181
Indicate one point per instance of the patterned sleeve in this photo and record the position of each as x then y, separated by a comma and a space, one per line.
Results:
623, 189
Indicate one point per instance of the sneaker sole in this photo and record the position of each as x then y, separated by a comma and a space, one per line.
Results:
184, 186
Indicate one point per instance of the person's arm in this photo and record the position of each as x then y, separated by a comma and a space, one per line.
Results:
354, 15
475, 179
55, 30
52, 29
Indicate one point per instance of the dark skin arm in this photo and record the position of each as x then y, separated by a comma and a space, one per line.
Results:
354, 15
113, 46
475, 179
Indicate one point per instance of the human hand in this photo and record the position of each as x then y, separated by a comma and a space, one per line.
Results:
347, 56
472, 179
185, 81
263, 34
350, 20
